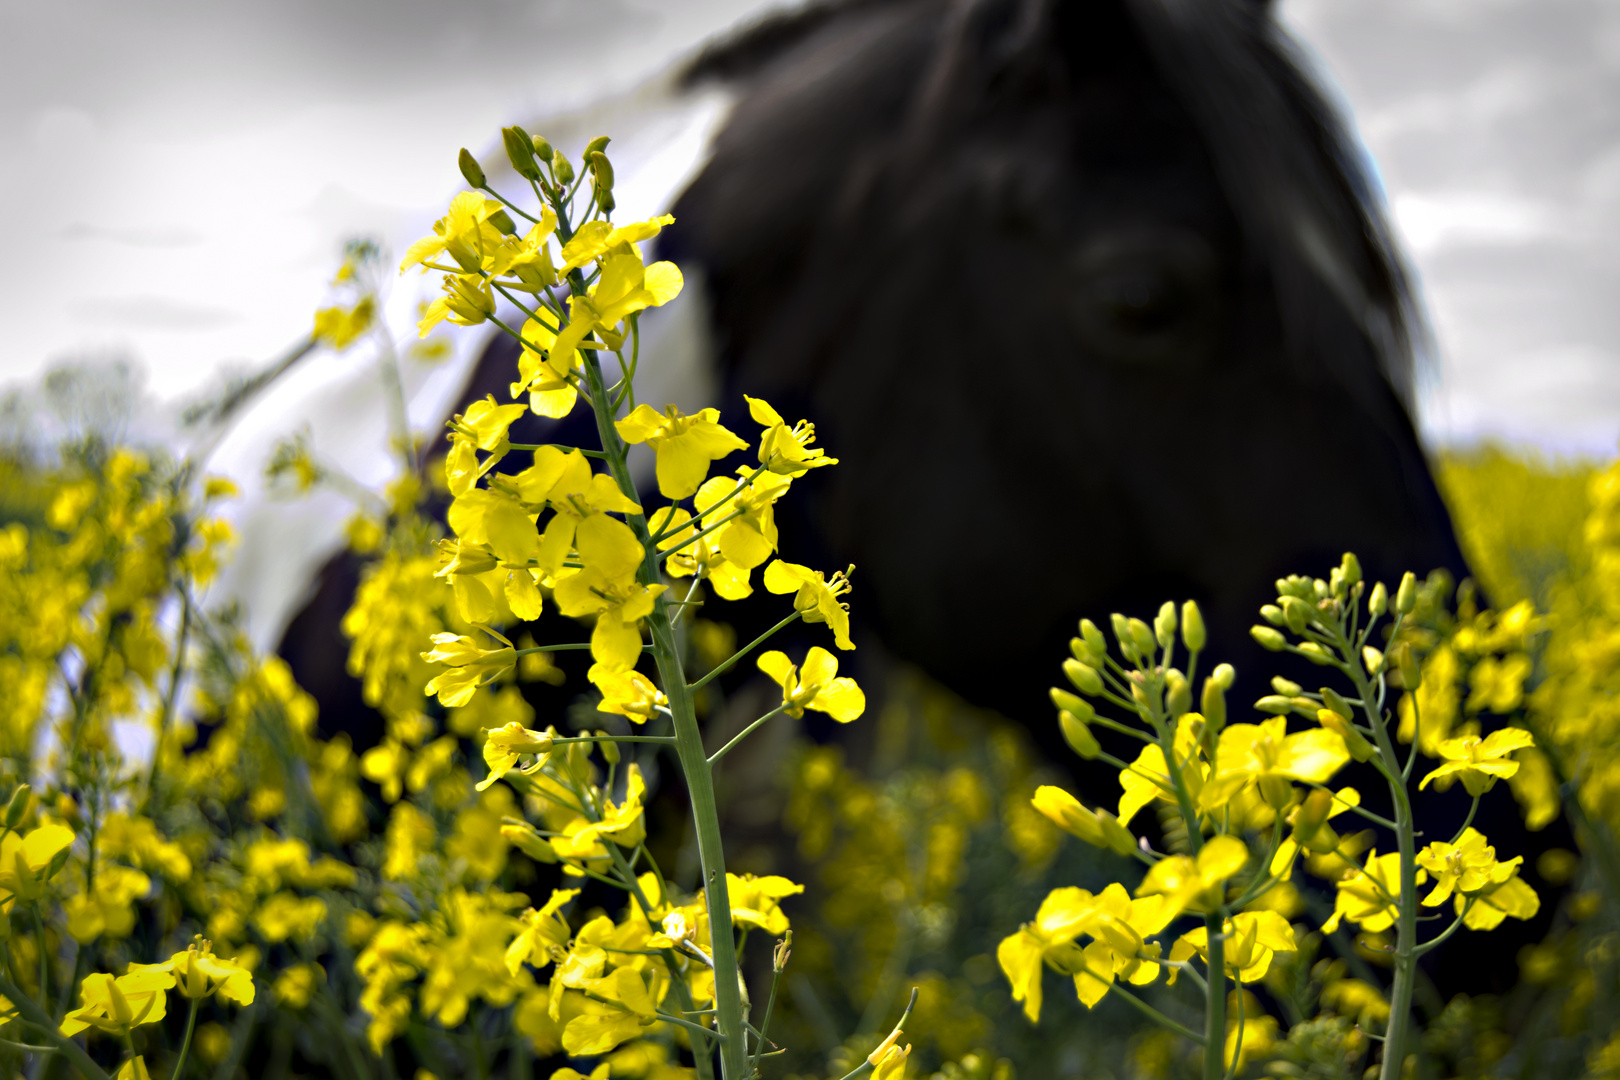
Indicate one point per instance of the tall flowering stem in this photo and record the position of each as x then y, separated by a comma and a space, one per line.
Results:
1250, 801
560, 532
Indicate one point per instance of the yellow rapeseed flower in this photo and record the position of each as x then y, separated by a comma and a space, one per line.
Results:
817, 685
1480, 762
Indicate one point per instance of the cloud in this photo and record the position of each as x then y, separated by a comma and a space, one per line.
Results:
1429, 222
134, 236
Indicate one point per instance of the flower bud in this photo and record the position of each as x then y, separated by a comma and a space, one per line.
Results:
1297, 613
1378, 602
520, 152
1335, 701
1286, 687
1122, 634
1275, 705
602, 169
1078, 735
1373, 659
562, 168
1276, 790
605, 199
1164, 625
1213, 704
1074, 703
470, 169
1094, 638
1081, 651
1312, 814
1267, 638
542, 148
1350, 569
1354, 741
1142, 637
610, 750
1225, 675
1193, 634
1178, 693
1303, 706
503, 222
595, 146
17, 808
1272, 614
1406, 595
1316, 654
1084, 677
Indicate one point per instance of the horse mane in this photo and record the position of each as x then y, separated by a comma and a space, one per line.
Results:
1295, 177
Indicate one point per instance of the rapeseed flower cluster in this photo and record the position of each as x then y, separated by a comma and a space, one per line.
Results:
1251, 800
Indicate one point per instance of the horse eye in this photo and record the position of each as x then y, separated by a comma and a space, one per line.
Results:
1145, 298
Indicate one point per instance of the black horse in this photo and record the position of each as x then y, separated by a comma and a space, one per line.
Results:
1095, 301
1092, 297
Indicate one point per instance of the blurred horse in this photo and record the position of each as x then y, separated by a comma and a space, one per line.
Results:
1094, 299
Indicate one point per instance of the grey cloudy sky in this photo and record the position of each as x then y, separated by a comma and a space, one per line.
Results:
179, 176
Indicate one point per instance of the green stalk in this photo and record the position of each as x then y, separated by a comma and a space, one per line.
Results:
688, 749
39, 1018
1215, 1000
185, 1044
1400, 997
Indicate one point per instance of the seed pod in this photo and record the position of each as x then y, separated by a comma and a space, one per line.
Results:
1268, 638
1406, 595
595, 146
1286, 687
1084, 677
471, 171
17, 808
1378, 602
1094, 638
1164, 625
520, 152
1067, 702
542, 148
1078, 736
1213, 704
1193, 634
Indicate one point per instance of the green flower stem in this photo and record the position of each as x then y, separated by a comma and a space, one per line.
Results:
765, 1024
1237, 1051
28, 1048
742, 485
727, 664
1448, 931
866, 1067
44, 954
671, 1018
33, 1014
573, 646
1215, 999
531, 447
185, 1044
744, 733
1467, 821
1400, 998
688, 748
662, 740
